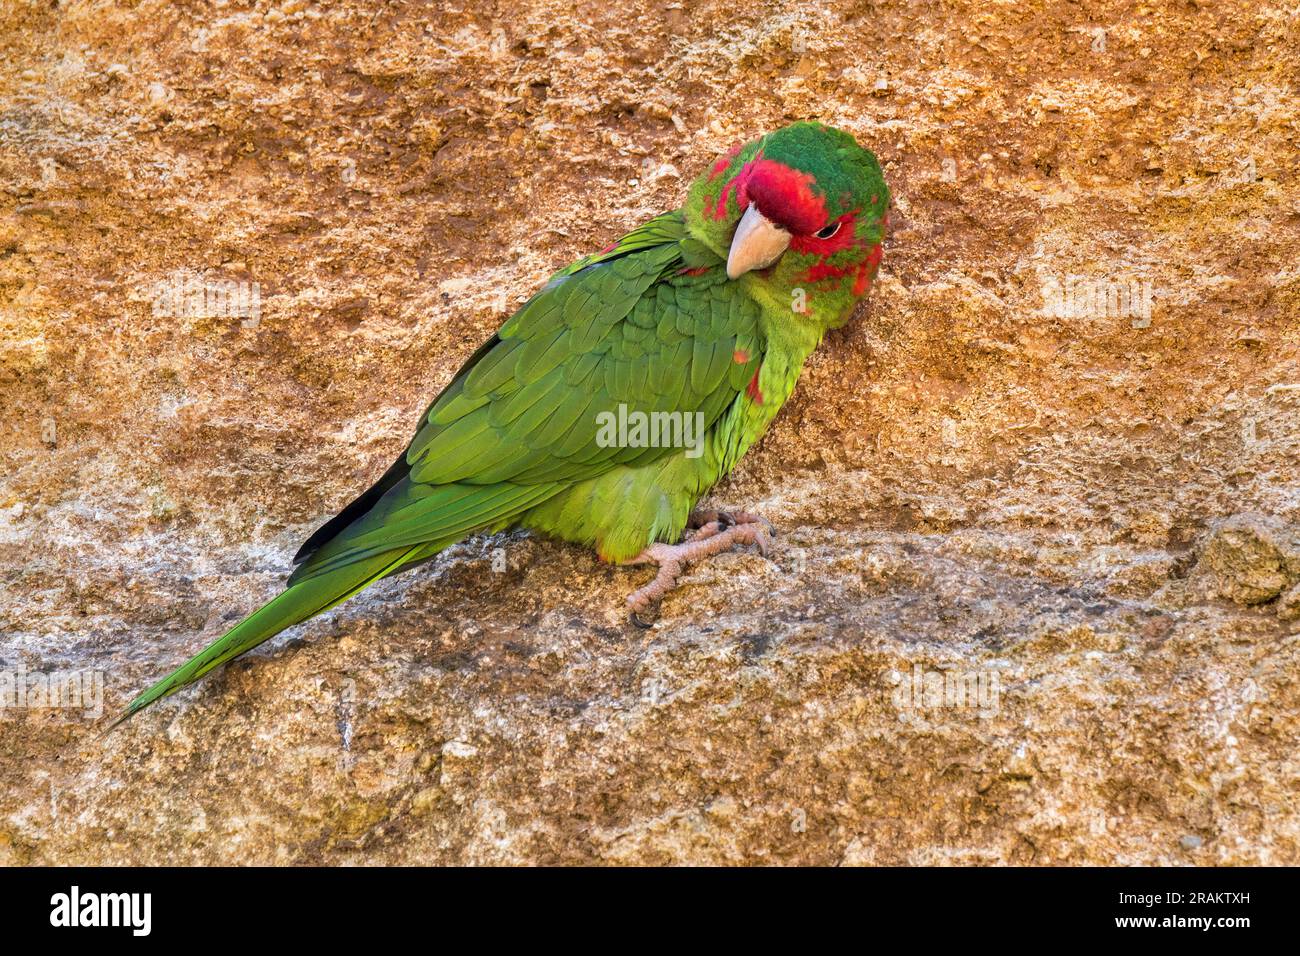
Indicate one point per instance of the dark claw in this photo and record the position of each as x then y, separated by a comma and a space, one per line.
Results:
636, 620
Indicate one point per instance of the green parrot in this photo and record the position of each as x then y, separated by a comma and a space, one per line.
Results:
616, 397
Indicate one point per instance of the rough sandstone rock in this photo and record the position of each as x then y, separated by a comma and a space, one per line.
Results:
983, 636
1250, 559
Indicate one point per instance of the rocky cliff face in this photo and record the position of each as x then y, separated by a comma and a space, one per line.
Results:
1035, 596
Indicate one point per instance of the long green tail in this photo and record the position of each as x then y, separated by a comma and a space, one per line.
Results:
296, 604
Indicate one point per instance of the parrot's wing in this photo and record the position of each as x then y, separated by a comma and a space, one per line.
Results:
522, 419
518, 423
613, 333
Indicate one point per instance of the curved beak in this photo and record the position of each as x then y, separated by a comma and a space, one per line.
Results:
757, 243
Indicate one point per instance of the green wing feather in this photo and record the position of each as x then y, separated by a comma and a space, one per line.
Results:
640, 324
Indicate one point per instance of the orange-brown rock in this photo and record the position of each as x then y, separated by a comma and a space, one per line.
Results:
1004, 621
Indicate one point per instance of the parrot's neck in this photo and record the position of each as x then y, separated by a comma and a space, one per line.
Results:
787, 345
788, 342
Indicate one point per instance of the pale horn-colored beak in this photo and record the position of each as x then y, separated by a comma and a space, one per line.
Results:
757, 244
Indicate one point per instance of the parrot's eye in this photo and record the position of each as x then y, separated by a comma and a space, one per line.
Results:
829, 230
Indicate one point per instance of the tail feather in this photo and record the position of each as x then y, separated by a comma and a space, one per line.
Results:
299, 602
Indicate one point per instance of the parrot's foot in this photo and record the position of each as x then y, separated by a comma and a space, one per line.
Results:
720, 532
700, 519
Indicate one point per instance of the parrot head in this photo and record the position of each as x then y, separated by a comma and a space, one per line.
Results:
799, 216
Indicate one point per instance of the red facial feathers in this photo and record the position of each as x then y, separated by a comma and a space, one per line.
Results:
786, 196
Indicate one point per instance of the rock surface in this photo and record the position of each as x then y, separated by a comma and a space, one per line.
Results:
1032, 601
